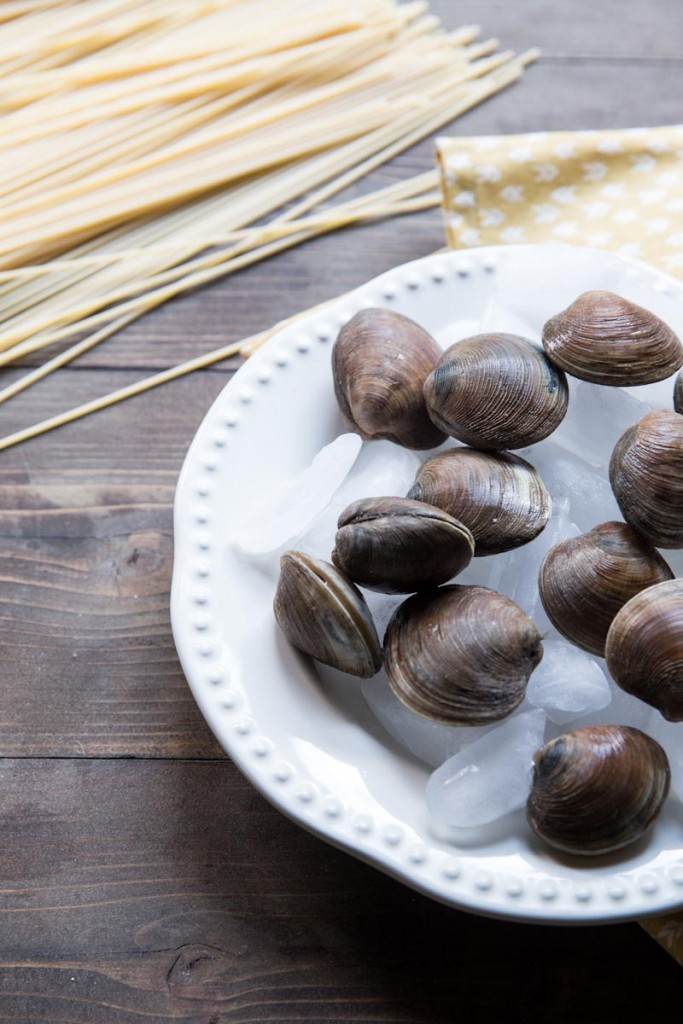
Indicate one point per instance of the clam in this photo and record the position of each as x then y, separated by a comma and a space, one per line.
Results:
323, 614
597, 789
379, 364
496, 391
606, 339
646, 473
398, 546
678, 393
644, 648
498, 496
585, 580
461, 655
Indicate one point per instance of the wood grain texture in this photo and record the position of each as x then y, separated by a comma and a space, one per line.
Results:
142, 878
86, 555
137, 891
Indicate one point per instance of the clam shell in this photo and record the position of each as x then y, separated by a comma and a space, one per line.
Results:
646, 473
398, 546
644, 648
678, 393
379, 364
606, 339
498, 496
323, 614
597, 789
496, 391
585, 580
461, 655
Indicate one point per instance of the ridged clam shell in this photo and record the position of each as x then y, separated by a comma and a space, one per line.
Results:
498, 496
496, 391
379, 364
461, 655
323, 614
398, 546
606, 339
597, 789
644, 648
646, 474
678, 393
584, 581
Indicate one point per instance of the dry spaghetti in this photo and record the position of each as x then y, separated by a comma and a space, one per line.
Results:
148, 147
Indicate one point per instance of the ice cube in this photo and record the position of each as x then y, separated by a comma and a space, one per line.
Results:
428, 741
515, 573
497, 318
656, 395
550, 277
486, 571
623, 709
490, 777
568, 683
596, 418
675, 560
568, 477
382, 607
670, 735
298, 501
519, 579
382, 469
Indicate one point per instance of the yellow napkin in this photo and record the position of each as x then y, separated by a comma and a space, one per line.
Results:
620, 190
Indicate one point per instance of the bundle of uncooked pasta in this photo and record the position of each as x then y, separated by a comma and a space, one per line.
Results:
150, 146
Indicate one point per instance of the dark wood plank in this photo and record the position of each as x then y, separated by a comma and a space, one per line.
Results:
86, 554
611, 30
164, 891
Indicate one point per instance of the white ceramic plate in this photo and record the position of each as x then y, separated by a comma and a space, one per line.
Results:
320, 760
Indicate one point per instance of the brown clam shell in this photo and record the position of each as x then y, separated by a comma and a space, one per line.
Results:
678, 393
597, 789
398, 546
585, 580
461, 655
496, 391
498, 496
646, 474
379, 364
606, 339
323, 614
644, 648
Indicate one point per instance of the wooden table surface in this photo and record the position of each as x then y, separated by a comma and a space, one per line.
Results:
143, 879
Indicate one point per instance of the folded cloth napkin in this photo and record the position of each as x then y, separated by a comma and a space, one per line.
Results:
620, 190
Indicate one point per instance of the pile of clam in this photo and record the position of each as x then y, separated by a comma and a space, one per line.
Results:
463, 654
